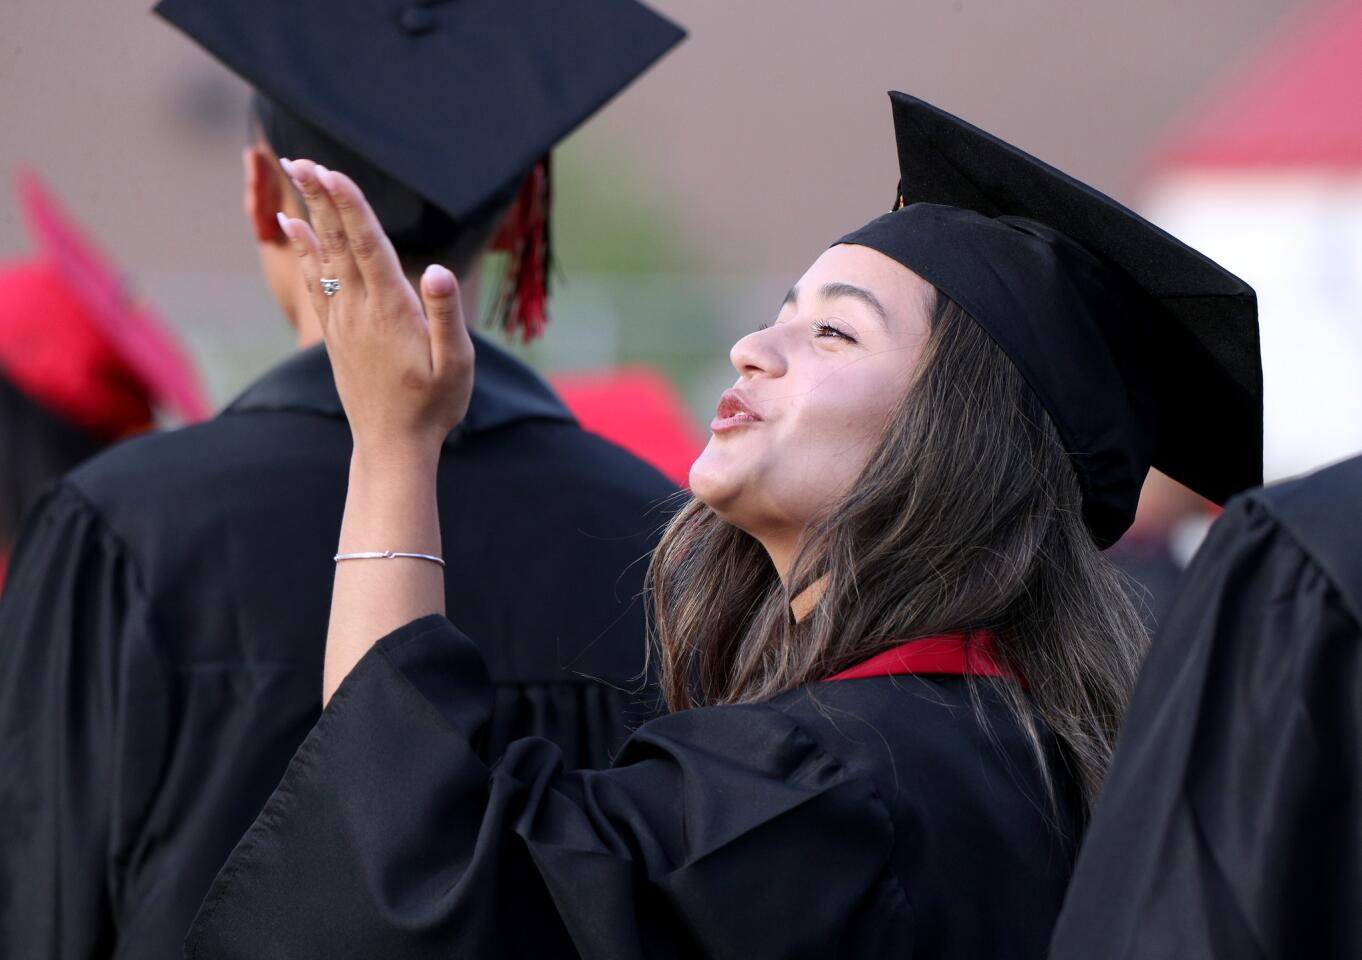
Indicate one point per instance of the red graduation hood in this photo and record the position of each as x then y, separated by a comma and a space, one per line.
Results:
949, 654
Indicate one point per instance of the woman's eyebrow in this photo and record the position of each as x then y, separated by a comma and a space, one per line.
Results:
831, 291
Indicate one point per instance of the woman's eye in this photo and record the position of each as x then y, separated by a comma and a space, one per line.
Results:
824, 329
764, 325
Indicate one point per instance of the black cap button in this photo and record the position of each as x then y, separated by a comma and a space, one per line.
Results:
416, 20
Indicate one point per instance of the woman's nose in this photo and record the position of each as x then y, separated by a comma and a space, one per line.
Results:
759, 352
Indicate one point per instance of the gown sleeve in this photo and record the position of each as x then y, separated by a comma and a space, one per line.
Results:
723, 832
1230, 825
74, 652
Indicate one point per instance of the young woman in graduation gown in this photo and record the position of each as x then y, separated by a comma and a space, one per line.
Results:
894, 652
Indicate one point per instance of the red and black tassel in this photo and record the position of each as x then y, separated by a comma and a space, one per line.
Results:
522, 304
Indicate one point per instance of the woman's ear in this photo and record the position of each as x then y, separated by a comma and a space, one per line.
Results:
264, 194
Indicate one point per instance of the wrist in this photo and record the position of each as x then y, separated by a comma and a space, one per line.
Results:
411, 456
391, 502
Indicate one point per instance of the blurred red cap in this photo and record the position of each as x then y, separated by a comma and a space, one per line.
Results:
74, 340
639, 410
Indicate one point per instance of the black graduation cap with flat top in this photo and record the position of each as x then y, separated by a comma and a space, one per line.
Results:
455, 99
1142, 350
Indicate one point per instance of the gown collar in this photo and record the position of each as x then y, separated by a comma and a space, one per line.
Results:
946, 653
505, 390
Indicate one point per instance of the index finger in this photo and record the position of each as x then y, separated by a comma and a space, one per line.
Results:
334, 244
369, 245
304, 242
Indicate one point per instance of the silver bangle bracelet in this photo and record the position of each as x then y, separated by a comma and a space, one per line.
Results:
387, 555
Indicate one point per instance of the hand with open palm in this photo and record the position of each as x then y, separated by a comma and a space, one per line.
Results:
403, 364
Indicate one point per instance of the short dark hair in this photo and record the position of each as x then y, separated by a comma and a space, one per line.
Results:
39, 446
421, 232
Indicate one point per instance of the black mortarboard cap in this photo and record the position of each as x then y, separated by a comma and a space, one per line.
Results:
1142, 350
456, 99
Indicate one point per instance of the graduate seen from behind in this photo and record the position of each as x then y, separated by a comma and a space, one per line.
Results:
1231, 822
895, 654
160, 637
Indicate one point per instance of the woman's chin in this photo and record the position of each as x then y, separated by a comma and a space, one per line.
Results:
714, 481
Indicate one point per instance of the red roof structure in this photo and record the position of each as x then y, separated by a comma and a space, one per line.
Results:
1296, 104
639, 410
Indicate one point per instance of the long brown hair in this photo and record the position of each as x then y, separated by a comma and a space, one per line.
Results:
967, 517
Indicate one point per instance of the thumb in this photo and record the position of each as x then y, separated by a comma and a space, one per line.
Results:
450, 344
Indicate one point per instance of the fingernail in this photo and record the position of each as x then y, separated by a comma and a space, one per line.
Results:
283, 225
438, 279
287, 164
326, 178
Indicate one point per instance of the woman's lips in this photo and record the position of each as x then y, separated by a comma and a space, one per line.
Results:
734, 411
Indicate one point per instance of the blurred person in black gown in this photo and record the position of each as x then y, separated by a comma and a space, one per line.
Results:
1169, 526
1230, 827
161, 641
82, 364
36, 447
894, 651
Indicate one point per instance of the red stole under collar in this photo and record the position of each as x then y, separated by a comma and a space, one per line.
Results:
946, 653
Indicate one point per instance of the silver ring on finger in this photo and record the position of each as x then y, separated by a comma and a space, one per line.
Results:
330, 286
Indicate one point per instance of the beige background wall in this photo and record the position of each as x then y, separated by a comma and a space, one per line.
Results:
725, 169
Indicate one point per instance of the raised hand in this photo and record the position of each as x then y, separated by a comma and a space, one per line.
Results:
404, 373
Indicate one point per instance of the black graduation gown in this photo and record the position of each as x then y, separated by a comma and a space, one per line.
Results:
162, 632
1230, 825
856, 818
